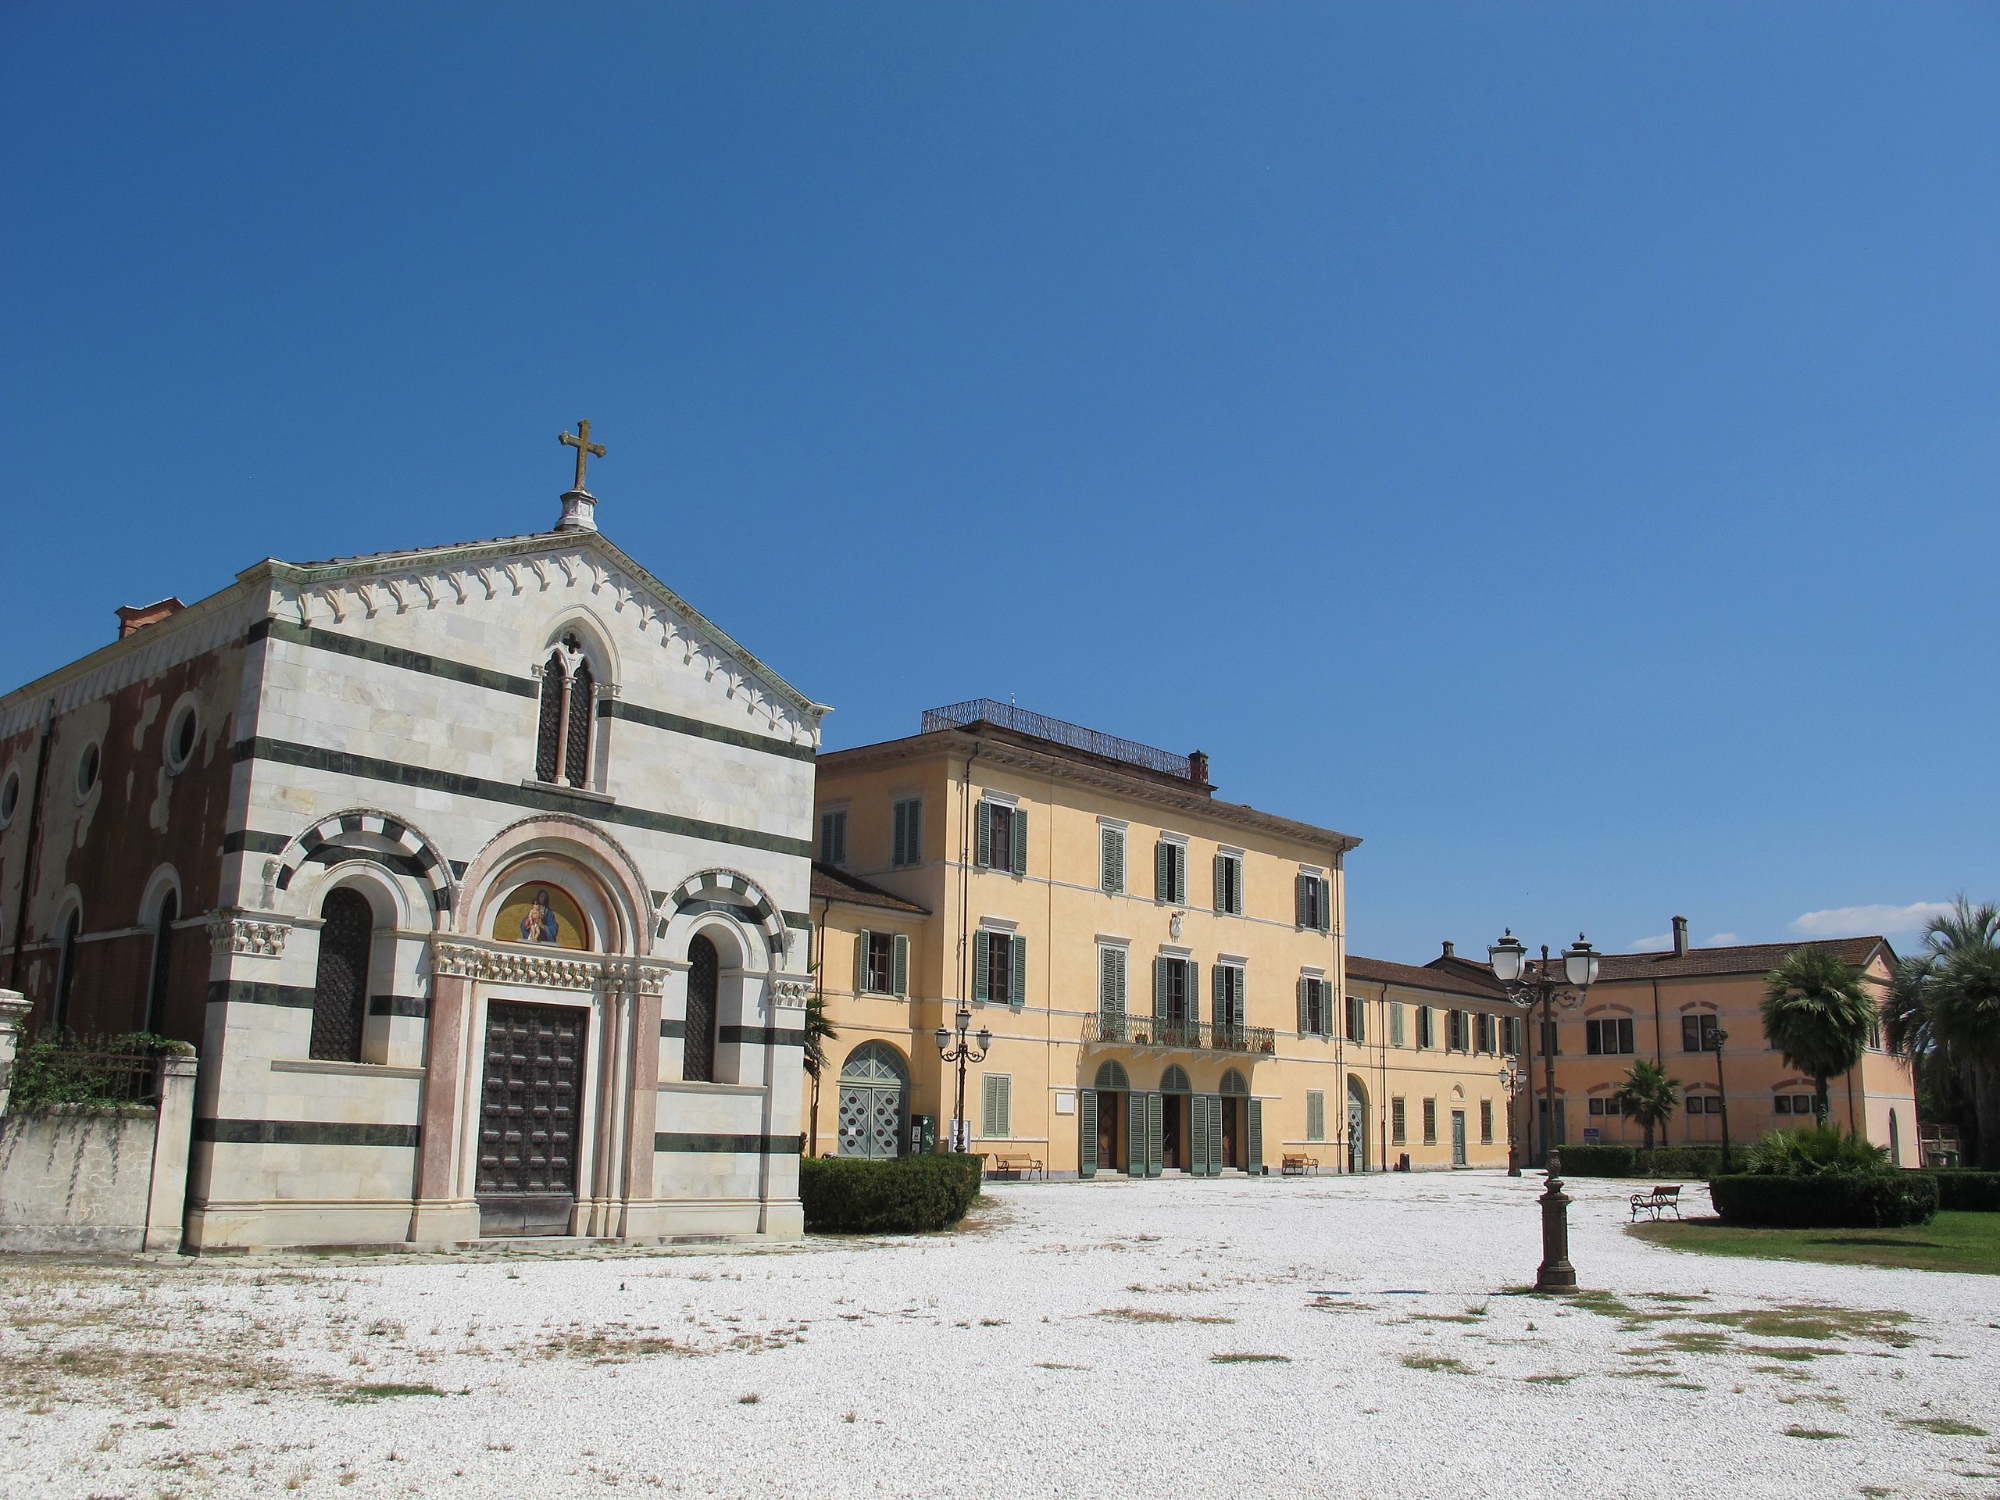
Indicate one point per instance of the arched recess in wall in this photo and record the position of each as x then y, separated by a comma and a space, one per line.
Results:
381, 838
586, 873
734, 894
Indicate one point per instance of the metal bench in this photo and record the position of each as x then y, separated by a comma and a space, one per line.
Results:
1300, 1166
1663, 1196
1020, 1164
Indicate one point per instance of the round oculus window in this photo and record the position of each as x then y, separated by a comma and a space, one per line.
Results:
86, 770
180, 739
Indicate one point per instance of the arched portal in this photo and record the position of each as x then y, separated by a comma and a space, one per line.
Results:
1175, 1111
874, 1099
1357, 1125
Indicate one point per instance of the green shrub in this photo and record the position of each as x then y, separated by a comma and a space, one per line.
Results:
1663, 1162
1802, 1153
96, 1072
908, 1195
1967, 1192
1826, 1200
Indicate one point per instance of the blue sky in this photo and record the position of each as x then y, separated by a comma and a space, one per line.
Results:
1555, 443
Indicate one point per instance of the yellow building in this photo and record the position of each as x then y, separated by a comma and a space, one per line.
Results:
1667, 1007
1161, 971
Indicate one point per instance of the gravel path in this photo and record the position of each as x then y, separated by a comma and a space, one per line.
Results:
1084, 1339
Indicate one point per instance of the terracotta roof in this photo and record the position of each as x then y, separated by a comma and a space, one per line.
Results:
1444, 981
833, 884
1748, 958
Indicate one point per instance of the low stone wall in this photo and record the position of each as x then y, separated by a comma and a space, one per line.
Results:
76, 1178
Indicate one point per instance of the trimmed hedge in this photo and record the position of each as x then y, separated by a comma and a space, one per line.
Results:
908, 1195
1964, 1191
1826, 1200
1663, 1162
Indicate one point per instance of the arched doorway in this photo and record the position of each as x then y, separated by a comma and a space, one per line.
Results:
874, 1094
1235, 1091
1174, 1091
1109, 1101
1357, 1125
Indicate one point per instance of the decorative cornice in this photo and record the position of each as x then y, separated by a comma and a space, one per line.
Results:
256, 936
509, 963
790, 992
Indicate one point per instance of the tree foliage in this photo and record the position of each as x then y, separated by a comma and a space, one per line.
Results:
1650, 1097
1943, 1013
1817, 1016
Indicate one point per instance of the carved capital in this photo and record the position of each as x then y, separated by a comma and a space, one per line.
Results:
242, 932
789, 992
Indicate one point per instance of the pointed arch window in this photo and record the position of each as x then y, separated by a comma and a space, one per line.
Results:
163, 958
569, 701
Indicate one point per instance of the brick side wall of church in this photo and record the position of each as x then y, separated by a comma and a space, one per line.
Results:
109, 845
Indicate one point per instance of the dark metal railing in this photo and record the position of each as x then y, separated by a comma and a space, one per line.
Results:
1184, 1036
1075, 736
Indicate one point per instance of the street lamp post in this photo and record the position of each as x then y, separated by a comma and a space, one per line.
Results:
1510, 1084
1720, 1036
1528, 984
962, 1052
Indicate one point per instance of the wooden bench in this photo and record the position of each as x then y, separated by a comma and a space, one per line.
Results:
1020, 1164
1664, 1196
1300, 1166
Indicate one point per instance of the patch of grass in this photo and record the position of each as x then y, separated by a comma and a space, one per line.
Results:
1249, 1359
1944, 1427
1442, 1362
1155, 1315
1815, 1434
1445, 1317
1050, 1364
387, 1392
1549, 1379
750, 1400
1950, 1242
1820, 1320
1696, 1341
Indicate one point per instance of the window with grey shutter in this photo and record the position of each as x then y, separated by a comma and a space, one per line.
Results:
1020, 841
907, 843
1159, 989
863, 941
1303, 982
1430, 1122
1111, 859
1017, 971
1111, 993
1395, 1023
1399, 1133
982, 842
982, 965
833, 837
1086, 1133
900, 966
1315, 1115
1163, 871
996, 1121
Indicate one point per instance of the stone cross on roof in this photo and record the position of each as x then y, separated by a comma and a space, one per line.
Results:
579, 506
585, 449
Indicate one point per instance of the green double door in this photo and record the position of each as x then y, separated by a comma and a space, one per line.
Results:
1145, 1118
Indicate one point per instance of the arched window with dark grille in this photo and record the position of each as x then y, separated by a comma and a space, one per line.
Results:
549, 742
340, 988
582, 701
704, 979
163, 946
65, 970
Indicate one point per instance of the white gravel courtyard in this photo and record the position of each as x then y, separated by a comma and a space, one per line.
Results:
1085, 1339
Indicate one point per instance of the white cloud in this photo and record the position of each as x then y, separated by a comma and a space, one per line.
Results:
1865, 921
1723, 940
1653, 944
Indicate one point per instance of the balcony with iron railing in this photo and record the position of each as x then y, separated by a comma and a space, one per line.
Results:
1153, 1034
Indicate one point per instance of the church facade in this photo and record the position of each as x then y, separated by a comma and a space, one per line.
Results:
477, 874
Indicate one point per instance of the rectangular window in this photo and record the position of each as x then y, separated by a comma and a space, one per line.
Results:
1229, 884
1551, 1039
1314, 903
1111, 860
882, 963
1783, 1104
1315, 1006
1170, 872
1111, 963
833, 837
908, 841
1610, 1037
1485, 1122
996, 1120
1395, 1023
1430, 1122
1357, 1019
1425, 1036
1698, 1030
1482, 1032
1398, 1125
1516, 1033
999, 968
1230, 1007
1455, 1029
1315, 1115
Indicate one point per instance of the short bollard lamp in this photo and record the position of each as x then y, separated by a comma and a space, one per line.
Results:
962, 1052
1556, 1274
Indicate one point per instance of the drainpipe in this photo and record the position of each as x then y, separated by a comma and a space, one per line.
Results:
816, 961
32, 846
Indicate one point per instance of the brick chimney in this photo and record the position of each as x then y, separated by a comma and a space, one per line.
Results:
1449, 951
1198, 767
1680, 937
133, 617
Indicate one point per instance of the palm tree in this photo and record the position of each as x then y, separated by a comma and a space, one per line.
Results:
819, 1031
1941, 1014
1817, 1016
1650, 1097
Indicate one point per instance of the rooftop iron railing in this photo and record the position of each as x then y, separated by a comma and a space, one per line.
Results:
1061, 732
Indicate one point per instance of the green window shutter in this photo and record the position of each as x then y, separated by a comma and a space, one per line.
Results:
1086, 1133
900, 977
1180, 875
998, 1090
1118, 955
1315, 1115
861, 962
1396, 1023
1221, 884
982, 964
983, 837
1017, 975
1216, 1105
1256, 1134
1135, 1135
1197, 1110
1303, 982
1326, 1007
1299, 913
1020, 841
1110, 859
1218, 996
1155, 1135
1193, 990
1163, 875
